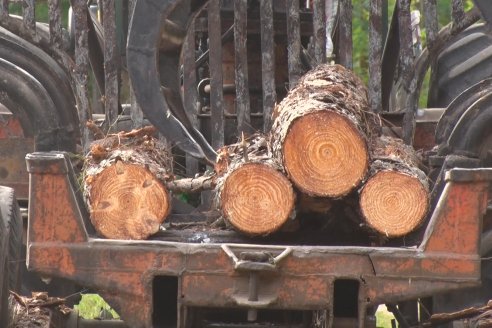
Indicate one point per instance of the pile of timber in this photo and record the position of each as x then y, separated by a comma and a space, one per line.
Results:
325, 146
327, 143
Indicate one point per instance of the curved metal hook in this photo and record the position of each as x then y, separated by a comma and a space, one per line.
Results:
162, 111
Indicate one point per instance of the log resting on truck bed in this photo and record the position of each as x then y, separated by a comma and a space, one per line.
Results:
321, 130
62, 243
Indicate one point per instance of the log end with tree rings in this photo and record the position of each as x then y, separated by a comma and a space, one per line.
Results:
394, 203
256, 199
127, 202
325, 154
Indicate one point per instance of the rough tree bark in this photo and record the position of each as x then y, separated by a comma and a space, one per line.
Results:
252, 193
124, 184
321, 130
395, 198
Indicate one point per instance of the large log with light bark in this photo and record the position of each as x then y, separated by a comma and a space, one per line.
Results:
124, 184
395, 198
321, 130
252, 193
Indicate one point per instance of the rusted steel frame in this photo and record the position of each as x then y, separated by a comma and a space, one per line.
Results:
111, 64
411, 96
457, 11
216, 76
345, 46
55, 24
81, 69
375, 54
243, 108
59, 245
293, 42
28, 15
11, 125
319, 31
267, 62
406, 62
124, 272
190, 92
13, 151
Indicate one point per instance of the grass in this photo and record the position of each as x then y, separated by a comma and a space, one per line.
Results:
383, 317
91, 306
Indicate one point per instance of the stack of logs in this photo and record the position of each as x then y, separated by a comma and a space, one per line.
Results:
324, 146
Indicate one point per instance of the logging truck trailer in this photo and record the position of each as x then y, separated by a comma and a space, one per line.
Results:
194, 79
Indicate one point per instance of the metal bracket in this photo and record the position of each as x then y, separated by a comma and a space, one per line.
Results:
256, 261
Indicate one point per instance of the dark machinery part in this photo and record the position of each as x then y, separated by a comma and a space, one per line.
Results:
27, 98
462, 83
485, 10
45, 70
10, 249
163, 112
466, 61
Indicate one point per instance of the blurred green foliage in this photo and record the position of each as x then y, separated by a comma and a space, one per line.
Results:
91, 306
42, 11
360, 34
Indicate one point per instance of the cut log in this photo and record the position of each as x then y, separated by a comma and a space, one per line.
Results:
395, 199
124, 185
252, 194
321, 130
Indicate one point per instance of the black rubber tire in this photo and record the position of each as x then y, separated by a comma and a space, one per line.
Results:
45, 70
465, 62
463, 66
29, 101
11, 230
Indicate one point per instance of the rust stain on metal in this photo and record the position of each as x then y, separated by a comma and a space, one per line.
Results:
310, 292
424, 136
47, 258
457, 229
207, 289
53, 208
10, 126
449, 266
13, 171
59, 245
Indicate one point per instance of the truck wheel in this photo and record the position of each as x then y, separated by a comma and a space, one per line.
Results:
466, 61
10, 251
462, 84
